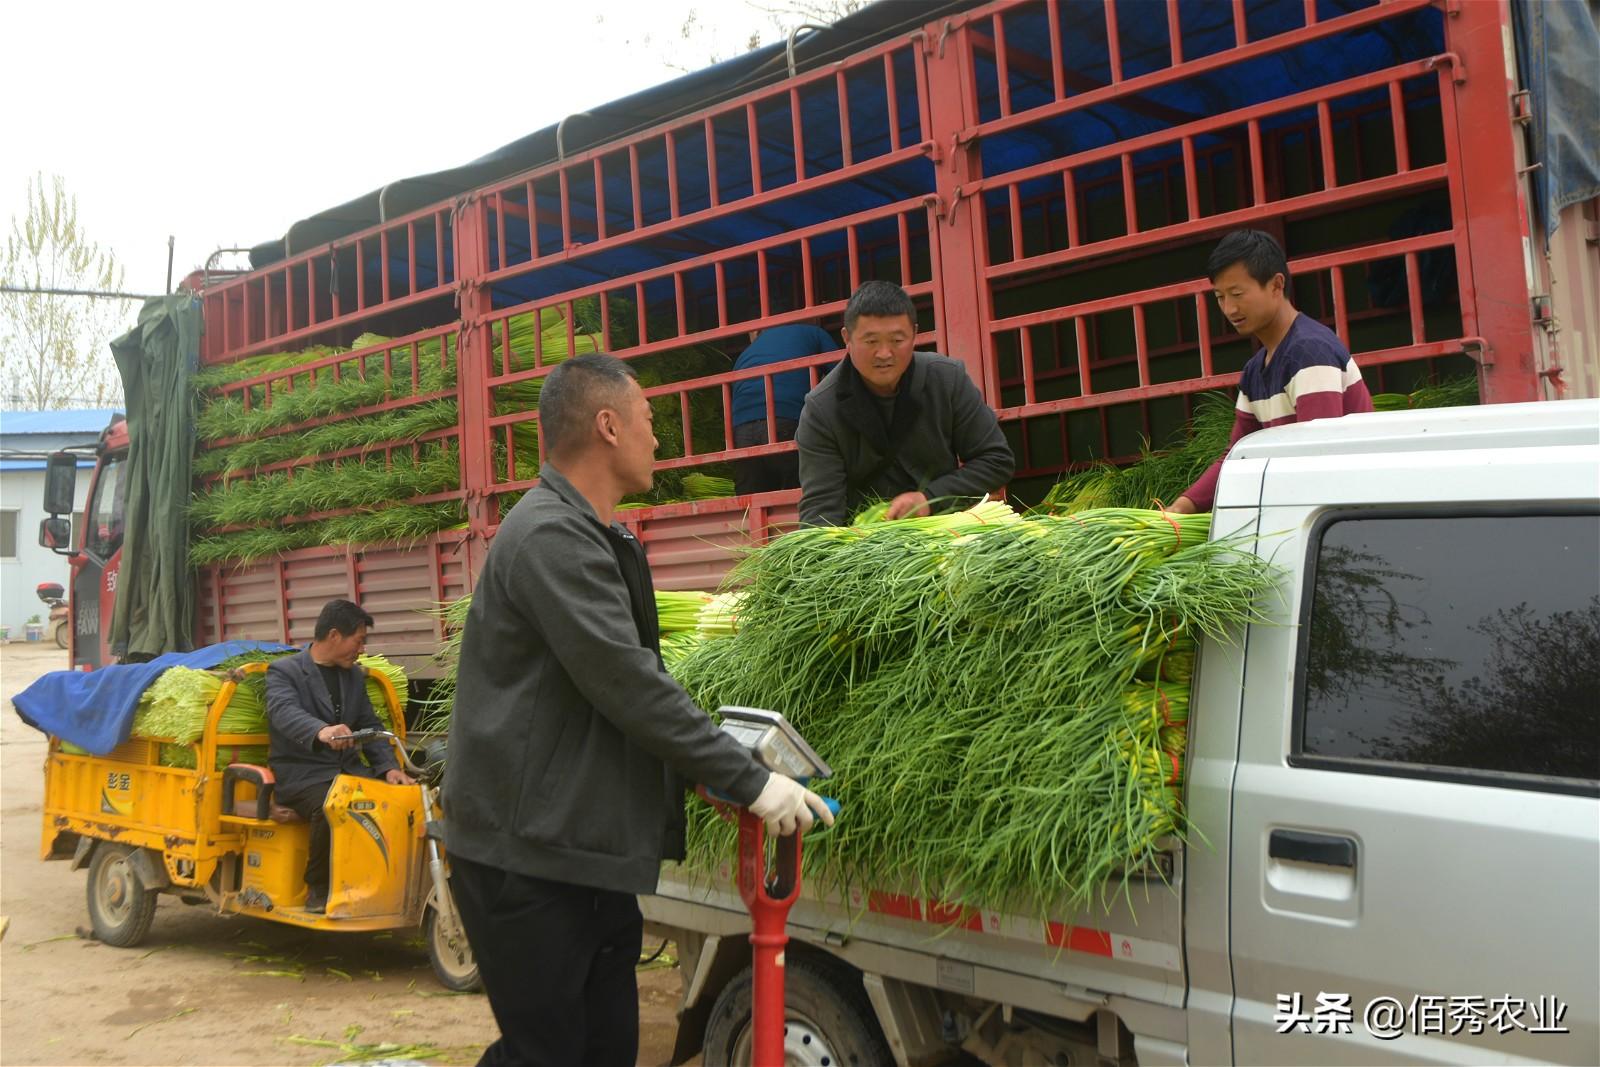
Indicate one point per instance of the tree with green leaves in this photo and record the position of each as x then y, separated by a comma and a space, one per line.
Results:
54, 348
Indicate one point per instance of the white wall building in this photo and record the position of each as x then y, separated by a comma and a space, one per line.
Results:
26, 438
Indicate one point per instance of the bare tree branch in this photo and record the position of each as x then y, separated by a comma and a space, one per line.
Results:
700, 45
54, 348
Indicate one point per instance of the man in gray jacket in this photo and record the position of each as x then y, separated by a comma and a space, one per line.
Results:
894, 424
570, 745
315, 701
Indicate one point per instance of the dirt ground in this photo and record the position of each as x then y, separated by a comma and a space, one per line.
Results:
197, 991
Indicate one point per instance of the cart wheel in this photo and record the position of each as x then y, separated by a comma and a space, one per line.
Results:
828, 1019
449, 953
120, 906
61, 634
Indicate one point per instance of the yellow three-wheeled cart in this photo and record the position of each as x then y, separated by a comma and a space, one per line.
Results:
215, 836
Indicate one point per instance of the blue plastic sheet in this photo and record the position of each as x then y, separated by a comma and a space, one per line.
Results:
1558, 49
94, 710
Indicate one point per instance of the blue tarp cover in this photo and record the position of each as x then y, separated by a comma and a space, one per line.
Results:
94, 709
1558, 49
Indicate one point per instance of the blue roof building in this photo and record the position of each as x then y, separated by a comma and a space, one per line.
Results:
26, 439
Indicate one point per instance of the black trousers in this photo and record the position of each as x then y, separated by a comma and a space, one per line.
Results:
765, 474
306, 799
558, 963
307, 803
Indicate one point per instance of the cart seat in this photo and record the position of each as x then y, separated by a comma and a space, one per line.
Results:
262, 778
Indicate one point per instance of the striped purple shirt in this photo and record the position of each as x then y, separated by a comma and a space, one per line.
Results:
1311, 376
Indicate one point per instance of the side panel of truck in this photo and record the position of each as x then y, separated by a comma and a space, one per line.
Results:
1067, 964
395, 584
1446, 889
1044, 178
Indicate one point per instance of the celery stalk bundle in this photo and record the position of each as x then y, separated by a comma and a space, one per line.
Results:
1164, 475
376, 486
700, 486
433, 713
679, 610
678, 613
360, 382
352, 483
394, 524
546, 333
175, 706
1004, 700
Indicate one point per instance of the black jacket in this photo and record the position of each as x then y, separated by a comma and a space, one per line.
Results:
298, 707
568, 737
945, 441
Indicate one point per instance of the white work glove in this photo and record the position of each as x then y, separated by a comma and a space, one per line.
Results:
785, 804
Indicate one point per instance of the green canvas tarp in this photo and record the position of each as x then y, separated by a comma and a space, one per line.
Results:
155, 590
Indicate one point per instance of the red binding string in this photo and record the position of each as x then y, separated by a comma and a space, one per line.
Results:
1162, 508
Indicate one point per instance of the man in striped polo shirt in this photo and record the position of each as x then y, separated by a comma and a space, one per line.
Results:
1302, 371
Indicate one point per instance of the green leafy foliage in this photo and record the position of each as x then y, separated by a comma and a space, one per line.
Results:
357, 382
352, 483
398, 524
175, 707
1164, 475
991, 696
361, 432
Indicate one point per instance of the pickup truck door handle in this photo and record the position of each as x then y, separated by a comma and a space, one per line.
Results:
1299, 846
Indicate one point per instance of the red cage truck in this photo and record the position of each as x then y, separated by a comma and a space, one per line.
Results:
1045, 179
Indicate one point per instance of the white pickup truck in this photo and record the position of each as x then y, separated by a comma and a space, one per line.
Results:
1394, 785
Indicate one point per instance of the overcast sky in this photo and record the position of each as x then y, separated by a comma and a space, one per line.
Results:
224, 123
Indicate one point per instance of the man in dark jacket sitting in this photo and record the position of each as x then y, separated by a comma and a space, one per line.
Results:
894, 424
570, 745
315, 700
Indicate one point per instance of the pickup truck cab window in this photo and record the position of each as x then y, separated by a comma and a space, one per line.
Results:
1454, 643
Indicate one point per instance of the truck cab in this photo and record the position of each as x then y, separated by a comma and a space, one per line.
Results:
95, 550
1398, 774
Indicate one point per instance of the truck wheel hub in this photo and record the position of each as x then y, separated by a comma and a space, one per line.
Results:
804, 1044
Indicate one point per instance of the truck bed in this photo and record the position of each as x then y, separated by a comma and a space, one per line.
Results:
1067, 963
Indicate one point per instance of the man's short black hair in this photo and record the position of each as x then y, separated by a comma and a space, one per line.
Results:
574, 392
1261, 255
345, 616
879, 300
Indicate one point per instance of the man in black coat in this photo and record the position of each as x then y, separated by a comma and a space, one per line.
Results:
315, 700
571, 746
890, 423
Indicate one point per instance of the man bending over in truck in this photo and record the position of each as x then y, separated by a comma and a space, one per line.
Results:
315, 700
894, 424
1301, 372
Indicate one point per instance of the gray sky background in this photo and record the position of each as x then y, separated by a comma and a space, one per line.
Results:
224, 123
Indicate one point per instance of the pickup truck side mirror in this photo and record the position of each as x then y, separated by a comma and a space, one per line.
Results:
55, 533
60, 484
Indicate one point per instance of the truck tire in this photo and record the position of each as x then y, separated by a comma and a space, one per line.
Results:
449, 954
121, 906
829, 1019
